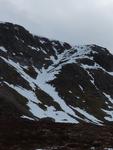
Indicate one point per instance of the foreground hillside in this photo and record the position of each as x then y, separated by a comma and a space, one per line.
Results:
29, 135
43, 78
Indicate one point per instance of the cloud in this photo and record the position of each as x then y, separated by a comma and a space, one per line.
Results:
74, 21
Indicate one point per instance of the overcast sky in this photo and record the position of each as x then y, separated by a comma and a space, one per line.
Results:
74, 21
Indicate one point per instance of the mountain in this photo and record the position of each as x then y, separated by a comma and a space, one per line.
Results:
49, 80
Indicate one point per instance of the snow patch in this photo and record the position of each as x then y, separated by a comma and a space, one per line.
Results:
26, 117
81, 87
21, 72
110, 115
3, 49
42, 80
88, 116
109, 97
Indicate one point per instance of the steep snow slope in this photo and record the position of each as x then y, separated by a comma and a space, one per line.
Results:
51, 79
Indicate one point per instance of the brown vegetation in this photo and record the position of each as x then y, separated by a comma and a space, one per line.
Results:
30, 135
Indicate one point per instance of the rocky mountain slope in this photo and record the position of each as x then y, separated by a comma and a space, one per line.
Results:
51, 80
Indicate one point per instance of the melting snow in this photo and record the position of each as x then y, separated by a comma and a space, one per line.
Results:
81, 87
59, 116
45, 75
20, 71
3, 49
87, 115
77, 97
33, 48
16, 37
109, 97
14, 54
109, 113
42, 79
21, 53
26, 117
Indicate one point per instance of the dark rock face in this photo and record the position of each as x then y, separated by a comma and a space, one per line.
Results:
47, 120
42, 78
103, 58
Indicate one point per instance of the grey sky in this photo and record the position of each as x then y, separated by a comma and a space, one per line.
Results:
74, 21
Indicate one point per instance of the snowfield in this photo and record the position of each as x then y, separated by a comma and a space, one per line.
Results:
68, 113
